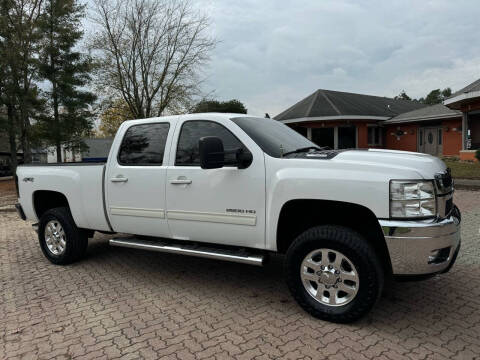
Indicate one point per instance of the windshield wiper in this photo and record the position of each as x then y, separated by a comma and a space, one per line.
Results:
303, 149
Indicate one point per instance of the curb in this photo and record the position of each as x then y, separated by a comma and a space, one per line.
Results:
5, 178
467, 187
467, 184
8, 208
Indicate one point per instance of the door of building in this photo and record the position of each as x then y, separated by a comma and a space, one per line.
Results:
430, 140
324, 137
347, 137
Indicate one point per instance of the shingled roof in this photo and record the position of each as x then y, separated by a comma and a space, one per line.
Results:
475, 86
331, 105
469, 94
438, 111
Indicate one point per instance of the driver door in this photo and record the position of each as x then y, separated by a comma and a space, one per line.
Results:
223, 206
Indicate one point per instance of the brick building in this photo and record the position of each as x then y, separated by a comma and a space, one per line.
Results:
435, 130
467, 102
347, 120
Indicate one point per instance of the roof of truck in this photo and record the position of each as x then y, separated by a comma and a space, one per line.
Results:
198, 116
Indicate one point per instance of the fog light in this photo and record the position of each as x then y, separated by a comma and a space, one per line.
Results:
439, 256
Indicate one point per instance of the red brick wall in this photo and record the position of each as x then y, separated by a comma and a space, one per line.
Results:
362, 135
452, 139
407, 142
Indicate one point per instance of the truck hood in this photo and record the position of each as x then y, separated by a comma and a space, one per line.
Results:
425, 165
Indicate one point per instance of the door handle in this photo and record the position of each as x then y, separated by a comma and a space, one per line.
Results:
119, 179
180, 181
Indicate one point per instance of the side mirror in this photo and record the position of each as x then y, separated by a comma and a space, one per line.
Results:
212, 155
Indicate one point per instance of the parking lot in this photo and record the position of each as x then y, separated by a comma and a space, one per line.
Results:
134, 304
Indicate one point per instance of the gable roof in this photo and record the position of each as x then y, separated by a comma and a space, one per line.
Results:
328, 104
469, 93
475, 86
433, 112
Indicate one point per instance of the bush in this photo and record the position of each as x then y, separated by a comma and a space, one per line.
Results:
477, 154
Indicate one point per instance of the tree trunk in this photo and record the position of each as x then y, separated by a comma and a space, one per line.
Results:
12, 138
59, 152
25, 135
56, 119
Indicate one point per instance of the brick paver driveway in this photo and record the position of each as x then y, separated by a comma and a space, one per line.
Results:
121, 302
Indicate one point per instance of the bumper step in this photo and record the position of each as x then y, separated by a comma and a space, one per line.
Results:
239, 256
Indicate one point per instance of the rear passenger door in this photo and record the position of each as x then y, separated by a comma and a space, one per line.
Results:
135, 180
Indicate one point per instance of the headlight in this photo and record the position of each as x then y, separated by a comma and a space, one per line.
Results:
412, 199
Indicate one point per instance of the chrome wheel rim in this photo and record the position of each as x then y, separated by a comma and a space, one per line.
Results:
329, 277
55, 238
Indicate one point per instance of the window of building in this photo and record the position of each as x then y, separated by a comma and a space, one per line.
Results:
187, 148
347, 137
374, 135
440, 137
301, 130
144, 144
324, 137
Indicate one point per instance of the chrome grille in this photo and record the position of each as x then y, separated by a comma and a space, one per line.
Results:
444, 185
444, 205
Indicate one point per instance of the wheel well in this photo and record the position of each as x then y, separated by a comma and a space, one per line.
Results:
297, 216
44, 200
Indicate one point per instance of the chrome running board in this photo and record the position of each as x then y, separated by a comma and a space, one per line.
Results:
239, 256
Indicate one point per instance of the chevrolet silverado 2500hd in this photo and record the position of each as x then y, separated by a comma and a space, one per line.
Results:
236, 188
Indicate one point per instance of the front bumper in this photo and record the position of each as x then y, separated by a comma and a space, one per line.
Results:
422, 247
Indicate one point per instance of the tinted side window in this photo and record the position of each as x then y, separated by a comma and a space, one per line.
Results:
192, 131
144, 144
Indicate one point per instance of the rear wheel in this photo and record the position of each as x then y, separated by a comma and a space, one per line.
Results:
334, 273
61, 241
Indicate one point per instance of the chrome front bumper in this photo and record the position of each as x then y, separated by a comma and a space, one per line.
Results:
422, 247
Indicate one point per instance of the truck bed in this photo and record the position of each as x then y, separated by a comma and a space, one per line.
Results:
81, 183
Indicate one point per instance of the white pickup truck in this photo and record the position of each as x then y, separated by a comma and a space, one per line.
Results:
237, 188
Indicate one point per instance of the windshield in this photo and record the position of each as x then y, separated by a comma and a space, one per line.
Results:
272, 136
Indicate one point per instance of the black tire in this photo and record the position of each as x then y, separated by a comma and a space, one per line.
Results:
358, 251
76, 239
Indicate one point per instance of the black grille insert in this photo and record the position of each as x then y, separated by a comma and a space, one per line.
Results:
444, 181
448, 207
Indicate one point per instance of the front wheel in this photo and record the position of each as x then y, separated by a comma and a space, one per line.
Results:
61, 241
333, 273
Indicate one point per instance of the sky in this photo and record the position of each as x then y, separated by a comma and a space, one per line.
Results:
273, 53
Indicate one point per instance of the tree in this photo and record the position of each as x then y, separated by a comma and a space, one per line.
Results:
150, 53
231, 106
67, 71
446, 93
436, 96
113, 116
8, 121
19, 41
402, 96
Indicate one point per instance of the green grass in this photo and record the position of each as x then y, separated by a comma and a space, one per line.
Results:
464, 169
